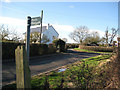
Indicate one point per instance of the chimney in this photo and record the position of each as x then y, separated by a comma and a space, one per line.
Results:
48, 24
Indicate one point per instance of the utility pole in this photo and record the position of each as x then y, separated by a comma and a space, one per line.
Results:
41, 26
28, 36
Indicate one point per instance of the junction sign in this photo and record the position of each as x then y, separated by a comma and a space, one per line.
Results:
35, 21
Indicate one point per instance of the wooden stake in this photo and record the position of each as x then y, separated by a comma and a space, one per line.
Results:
23, 75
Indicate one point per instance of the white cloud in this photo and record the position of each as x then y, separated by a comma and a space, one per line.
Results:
12, 21
7, 1
19, 24
64, 31
71, 6
101, 33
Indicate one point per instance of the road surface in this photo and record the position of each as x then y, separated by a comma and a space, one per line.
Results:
44, 63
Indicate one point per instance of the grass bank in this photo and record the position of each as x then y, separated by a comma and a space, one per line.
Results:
84, 50
81, 74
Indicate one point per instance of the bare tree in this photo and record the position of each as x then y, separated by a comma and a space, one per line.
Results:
64, 39
103, 40
79, 34
8, 34
92, 38
4, 32
106, 36
109, 36
34, 37
113, 34
14, 36
45, 39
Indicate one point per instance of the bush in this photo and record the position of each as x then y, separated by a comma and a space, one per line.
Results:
55, 41
52, 48
60, 45
97, 48
43, 49
38, 49
72, 45
8, 49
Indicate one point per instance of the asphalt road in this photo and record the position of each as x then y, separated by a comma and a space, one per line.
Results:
44, 63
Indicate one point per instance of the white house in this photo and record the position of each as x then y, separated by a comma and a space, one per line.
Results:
48, 31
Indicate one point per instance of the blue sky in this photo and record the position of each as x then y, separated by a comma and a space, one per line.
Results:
66, 16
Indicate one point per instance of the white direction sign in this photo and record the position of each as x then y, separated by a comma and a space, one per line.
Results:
35, 21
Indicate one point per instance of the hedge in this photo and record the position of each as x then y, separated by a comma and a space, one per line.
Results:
8, 49
72, 45
51, 48
97, 48
38, 49
60, 45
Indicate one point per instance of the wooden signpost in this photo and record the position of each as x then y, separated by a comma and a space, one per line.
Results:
23, 74
32, 22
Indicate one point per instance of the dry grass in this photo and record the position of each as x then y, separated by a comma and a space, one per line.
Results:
114, 73
108, 74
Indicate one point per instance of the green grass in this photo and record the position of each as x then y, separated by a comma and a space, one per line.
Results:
84, 50
79, 74
96, 60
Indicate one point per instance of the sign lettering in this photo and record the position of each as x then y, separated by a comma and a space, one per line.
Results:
35, 21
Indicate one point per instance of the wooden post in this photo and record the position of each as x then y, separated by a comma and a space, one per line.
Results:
28, 36
23, 75
118, 47
114, 43
41, 25
114, 47
118, 31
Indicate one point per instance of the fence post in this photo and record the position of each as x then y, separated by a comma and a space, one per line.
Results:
118, 47
23, 75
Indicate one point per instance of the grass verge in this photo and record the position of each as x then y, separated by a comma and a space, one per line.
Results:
81, 74
84, 50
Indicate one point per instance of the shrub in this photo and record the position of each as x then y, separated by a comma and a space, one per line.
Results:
43, 49
60, 44
34, 49
72, 45
8, 49
97, 48
52, 48
38, 49
55, 41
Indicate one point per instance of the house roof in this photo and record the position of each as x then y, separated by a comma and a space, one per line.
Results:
37, 29
44, 28
54, 29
